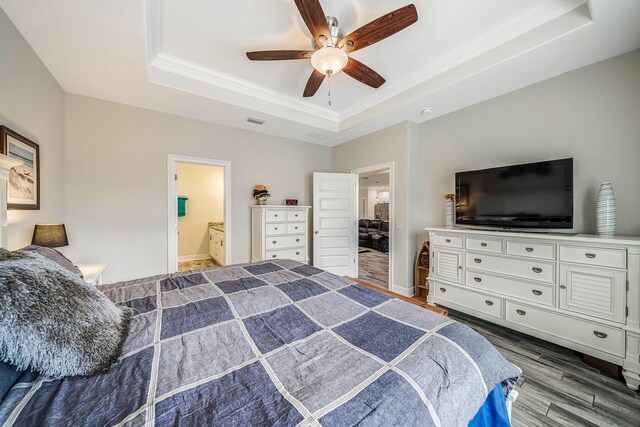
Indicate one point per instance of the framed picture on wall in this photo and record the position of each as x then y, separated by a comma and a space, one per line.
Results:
24, 180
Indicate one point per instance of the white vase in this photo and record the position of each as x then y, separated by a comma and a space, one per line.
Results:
449, 213
606, 210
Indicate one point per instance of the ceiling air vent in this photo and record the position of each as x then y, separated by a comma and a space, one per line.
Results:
255, 121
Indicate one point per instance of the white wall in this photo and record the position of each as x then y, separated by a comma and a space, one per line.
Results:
591, 114
32, 104
116, 180
204, 187
384, 146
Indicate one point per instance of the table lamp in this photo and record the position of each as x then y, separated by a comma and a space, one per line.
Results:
50, 235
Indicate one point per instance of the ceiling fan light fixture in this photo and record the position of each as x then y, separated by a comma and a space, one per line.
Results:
329, 60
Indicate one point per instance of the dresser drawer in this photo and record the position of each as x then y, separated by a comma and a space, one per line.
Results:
449, 241
538, 293
600, 337
296, 253
485, 245
296, 216
532, 250
275, 216
536, 270
296, 228
484, 303
284, 242
616, 258
275, 229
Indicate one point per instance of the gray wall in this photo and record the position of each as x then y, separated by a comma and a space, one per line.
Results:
116, 180
387, 145
32, 104
591, 114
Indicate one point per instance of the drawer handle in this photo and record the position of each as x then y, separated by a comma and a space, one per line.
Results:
528, 249
563, 286
274, 242
483, 244
477, 260
296, 227
477, 279
275, 228
521, 312
443, 290
599, 334
274, 256
296, 215
297, 253
537, 270
589, 255
489, 303
448, 240
297, 240
275, 216
536, 292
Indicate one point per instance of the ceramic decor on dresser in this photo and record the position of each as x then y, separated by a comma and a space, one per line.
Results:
279, 232
606, 210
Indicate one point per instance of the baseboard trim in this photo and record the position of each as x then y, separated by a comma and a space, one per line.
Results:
407, 292
193, 257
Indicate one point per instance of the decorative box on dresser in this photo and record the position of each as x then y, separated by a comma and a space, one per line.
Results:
279, 232
578, 291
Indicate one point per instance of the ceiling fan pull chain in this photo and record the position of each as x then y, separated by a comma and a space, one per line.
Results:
329, 79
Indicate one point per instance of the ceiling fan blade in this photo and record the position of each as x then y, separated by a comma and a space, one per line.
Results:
363, 74
278, 55
314, 17
313, 84
381, 28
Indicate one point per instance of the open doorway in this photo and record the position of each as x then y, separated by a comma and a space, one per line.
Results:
199, 220
374, 233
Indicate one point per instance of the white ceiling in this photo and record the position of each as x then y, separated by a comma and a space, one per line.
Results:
187, 57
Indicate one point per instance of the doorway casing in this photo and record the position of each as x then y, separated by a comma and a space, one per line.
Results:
172, 206
381, 168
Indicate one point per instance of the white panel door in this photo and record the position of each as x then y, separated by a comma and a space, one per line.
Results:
335, 210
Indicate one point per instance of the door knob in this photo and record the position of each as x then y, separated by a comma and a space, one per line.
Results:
316, 232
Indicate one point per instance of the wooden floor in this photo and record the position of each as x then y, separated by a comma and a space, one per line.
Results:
373, 267
557, 388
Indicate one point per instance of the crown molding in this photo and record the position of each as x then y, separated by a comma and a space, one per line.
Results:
176, 65
157, 59
539, 14
174, 69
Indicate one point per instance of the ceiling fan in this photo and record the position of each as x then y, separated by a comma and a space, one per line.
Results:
330, 48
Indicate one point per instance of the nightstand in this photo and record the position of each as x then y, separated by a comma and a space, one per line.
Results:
92, 273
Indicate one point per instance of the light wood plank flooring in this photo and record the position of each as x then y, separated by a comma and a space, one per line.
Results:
196, 265
373, 267
557, 388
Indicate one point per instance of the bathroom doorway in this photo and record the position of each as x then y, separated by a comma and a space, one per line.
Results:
199, 220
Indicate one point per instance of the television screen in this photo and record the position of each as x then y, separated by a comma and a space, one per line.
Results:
532, 195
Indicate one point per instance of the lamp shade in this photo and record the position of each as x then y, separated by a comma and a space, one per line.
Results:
329, 60
50, 235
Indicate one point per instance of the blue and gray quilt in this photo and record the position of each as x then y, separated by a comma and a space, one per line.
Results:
271, 343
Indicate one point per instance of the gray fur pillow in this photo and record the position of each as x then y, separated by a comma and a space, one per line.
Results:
52, 322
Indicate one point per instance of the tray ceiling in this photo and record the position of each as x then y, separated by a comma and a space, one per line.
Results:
187, 57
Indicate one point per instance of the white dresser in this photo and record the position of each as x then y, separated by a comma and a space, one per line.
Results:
581, 291
279, 232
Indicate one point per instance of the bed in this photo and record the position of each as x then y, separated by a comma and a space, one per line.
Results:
275, 343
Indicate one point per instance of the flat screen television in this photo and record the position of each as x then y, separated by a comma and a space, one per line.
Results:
532, 195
